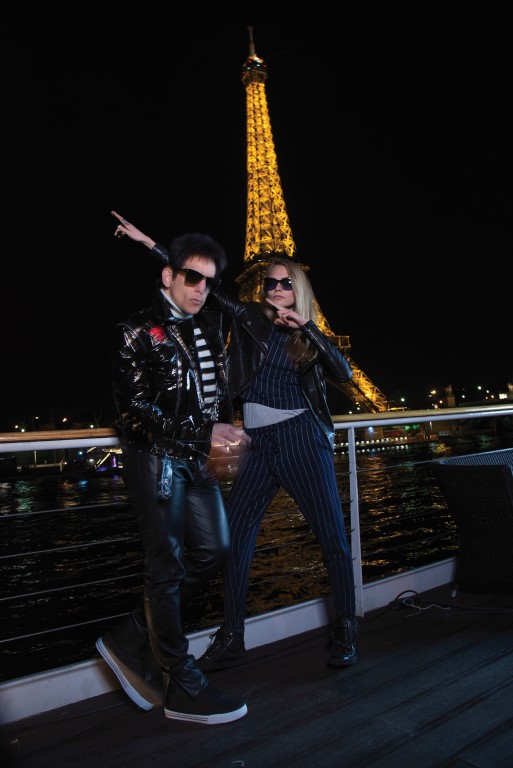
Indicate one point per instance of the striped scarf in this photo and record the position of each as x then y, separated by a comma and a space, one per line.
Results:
208, 371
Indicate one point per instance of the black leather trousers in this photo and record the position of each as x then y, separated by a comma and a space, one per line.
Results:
185, 541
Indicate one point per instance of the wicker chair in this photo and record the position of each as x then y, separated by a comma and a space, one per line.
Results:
478, 489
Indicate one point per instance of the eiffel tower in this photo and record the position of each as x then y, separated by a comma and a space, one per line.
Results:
268, 232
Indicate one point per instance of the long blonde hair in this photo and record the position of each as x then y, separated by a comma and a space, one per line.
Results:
299, 348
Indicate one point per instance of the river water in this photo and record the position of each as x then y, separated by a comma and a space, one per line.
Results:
70, 555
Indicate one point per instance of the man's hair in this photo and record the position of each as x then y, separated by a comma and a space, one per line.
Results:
196, 244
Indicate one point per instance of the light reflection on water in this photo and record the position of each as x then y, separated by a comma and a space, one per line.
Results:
71, 510
74, 538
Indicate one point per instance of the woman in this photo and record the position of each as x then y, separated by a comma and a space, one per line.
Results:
279, 361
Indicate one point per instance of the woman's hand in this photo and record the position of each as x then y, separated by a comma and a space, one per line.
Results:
287, 318
125, 228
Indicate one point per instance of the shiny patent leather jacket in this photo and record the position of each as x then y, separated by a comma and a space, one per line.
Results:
248, 348
157, 382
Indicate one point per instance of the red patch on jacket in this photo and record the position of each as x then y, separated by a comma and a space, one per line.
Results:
157, 334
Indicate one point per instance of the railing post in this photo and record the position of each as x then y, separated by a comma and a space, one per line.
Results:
356, 547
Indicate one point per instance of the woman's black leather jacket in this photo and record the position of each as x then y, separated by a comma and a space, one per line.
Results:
157, 384
248, 348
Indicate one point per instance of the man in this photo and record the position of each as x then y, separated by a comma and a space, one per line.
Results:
172, 401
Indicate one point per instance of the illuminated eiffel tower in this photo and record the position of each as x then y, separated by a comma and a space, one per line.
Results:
268, 232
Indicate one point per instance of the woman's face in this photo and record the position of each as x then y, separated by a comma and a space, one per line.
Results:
277, 288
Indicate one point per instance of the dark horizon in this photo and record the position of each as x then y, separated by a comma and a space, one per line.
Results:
393, 139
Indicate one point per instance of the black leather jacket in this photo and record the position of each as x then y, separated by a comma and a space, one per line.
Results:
248, 348
156, 381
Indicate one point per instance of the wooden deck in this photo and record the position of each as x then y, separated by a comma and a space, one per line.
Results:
433, 687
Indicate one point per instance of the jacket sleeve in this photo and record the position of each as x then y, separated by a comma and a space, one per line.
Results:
161, 253
335, 365
230, 307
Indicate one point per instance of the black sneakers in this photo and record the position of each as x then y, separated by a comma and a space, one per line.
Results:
343, 643
226, 649
130, 672
209, 706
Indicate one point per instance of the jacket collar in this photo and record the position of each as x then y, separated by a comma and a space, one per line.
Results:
175, 311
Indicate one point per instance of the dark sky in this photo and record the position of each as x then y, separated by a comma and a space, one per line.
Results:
393, 135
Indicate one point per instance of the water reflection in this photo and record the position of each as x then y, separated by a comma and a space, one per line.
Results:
58, 532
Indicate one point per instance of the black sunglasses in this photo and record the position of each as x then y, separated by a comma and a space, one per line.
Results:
193, 278
270, 283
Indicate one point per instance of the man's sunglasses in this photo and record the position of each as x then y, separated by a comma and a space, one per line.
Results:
193, 278
270, 283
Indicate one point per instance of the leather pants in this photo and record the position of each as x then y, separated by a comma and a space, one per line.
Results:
185, 541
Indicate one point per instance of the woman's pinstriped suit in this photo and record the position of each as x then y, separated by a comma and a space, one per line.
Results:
295, 453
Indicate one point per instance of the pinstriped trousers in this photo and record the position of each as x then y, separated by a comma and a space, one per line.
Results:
295, 455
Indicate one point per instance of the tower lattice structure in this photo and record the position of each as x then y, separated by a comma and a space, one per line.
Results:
268, 231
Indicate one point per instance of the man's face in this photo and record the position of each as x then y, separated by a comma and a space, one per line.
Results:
181, 286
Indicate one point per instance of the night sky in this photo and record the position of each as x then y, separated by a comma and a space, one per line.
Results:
393, 134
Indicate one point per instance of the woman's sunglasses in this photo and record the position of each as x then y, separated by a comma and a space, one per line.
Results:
270, 283
193, 278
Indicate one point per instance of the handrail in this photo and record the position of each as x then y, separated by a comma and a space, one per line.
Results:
423, 416
58, 438
105, 436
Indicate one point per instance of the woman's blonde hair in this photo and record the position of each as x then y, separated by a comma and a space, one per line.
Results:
299, 348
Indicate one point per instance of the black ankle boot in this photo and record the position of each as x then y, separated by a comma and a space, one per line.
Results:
343, 642
226, 649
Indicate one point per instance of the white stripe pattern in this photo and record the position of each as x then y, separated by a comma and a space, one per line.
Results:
207, 367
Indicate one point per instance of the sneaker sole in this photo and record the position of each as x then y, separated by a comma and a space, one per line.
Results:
217, 719
146, 698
